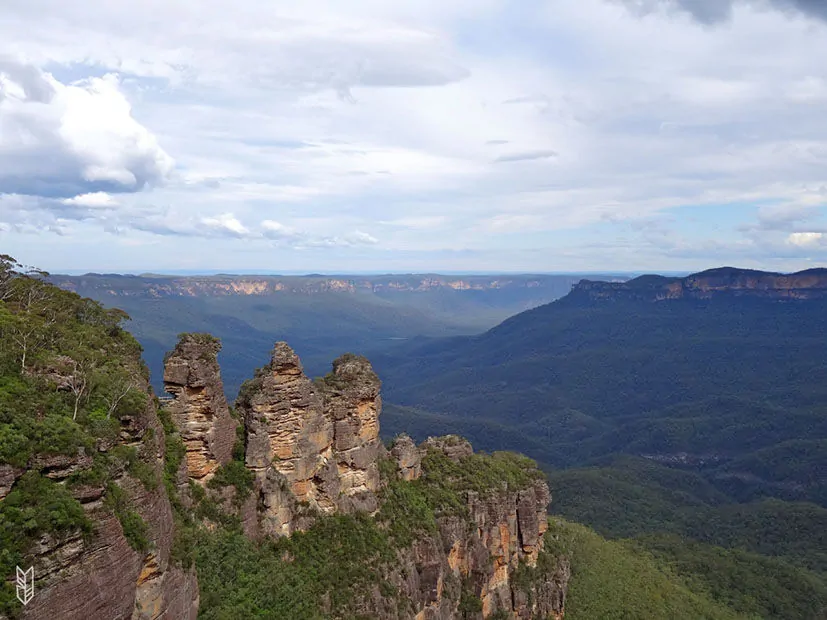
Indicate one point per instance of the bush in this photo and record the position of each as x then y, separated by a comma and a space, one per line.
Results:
134, 527
236, 474
36, 506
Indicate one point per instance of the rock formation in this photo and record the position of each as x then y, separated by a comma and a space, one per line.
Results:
408, 457
320, 439
313, 447
726, 281
507, 527
199, 407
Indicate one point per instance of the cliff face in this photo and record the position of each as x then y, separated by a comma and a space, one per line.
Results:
312, 451
727, 281
102, 576
484, 546
199, 407
195, 286
321, 439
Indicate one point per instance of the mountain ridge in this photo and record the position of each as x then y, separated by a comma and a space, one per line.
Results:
708, 284
221, 284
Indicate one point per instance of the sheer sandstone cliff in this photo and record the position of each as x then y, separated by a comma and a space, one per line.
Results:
101, 576
313, 450
706, 285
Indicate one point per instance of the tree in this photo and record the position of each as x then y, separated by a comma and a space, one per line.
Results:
36, 314
119, 388
79, 382
9, 270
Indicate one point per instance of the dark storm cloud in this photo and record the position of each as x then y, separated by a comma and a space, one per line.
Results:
716, 11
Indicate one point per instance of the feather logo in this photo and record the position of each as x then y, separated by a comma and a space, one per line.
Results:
25, 584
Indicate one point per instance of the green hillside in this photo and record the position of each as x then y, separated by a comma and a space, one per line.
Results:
618, 580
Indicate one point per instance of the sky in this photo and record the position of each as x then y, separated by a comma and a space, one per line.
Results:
413, 135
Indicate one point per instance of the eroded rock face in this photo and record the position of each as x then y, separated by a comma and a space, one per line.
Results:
318, 440
199, 407
507, 528
407, 456
453, 446
8, 476
103, 578
286, 428
352, 401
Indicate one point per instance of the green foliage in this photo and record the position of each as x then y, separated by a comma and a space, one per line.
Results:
748, 583
238, 445
35, 506
338, 560
444, 481
610, 580
630, 498
406, 512
235, 474
469, 603
134, 527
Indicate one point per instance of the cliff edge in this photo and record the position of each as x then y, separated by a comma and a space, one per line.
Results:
713, 283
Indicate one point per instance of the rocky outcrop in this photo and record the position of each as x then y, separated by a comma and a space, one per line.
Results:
499, 534
407, 456
352, 402
8, 476
452, 446
102, 577
723, 282
312, 443
314, 449
199, 407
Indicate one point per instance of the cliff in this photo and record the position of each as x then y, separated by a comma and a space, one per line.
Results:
81, 457
714, 283
154, 286
486, 543
447, 542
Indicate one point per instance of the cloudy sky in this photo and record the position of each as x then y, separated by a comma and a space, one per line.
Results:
441, 135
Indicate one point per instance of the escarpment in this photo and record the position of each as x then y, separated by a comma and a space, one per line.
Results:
118, 504
723, 282
122, 567
469, 546
489, 547
85, 508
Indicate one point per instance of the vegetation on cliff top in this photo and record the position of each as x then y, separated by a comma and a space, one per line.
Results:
333, 569
71, 379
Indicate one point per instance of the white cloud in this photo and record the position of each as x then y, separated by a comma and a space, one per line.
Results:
428, 125
807, 239
226, 222
66, 139
362, 238
94, 200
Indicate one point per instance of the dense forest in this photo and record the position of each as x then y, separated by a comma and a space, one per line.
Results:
699, 421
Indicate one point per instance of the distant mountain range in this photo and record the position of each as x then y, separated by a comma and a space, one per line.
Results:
323, 316
193, 286
725, 281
